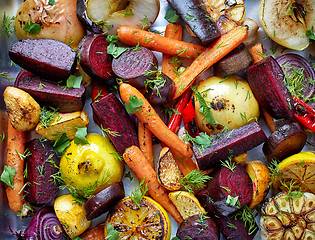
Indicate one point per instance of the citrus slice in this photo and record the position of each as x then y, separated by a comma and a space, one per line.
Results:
149, 221
298, 168
186, 203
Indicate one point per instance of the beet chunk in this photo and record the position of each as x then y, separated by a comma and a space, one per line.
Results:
47, 58
225, 186
50, 93
40, 166
198, 227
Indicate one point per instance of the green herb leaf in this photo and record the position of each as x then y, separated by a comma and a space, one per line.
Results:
51, 2
175, 238
246, 215
171, 16
203, 140
80, 136
112, 234
128, 175
138, 194
310, 33
194, 181
115, 51
74, 81
32, 28
7, 175
145, 23
46, 116
112, 39
62, 143
232, 201
6, 76
134, 104
8, 24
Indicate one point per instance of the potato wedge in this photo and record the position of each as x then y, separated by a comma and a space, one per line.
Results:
22, 109
63, 123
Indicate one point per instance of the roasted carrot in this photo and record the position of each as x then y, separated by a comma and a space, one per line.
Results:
148, 116
169, 67
134, 36
257, 52
96, 233
216, 51
16, 145
185, 165
145, 142
137, 162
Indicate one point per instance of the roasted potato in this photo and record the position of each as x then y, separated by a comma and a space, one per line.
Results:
22, 109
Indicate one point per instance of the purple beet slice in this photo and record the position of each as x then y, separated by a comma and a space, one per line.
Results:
104, 200
50, 93
135, 66
113, 117
265, 78
47, 58
219, 197
198, 227
163, 93
93, 57
40, 166
230, 143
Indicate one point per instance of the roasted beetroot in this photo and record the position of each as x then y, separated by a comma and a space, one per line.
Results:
50, 93
230, 189
40, 161
198, 227
163, 90
47, 58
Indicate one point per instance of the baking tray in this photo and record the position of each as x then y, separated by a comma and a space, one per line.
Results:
8, 220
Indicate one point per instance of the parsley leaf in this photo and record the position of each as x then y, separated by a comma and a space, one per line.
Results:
32, 28
74, 81
7, 175
112, 234
134, 104
232, 201
112, 39
171, 16
80, 136
310, 33
203, 140
51, 2
115, 51
8, 24
62, 143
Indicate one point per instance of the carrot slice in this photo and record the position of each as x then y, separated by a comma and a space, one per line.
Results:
257, 52
134, 36
216, 51
145, 142
137, 162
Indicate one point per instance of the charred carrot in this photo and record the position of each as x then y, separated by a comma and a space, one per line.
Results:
146, 113
134, 36
185, 165
169, 67
137, 162
145, 142
257, 52
216, 51
15, 149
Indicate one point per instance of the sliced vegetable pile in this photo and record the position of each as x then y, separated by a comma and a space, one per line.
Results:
183, 130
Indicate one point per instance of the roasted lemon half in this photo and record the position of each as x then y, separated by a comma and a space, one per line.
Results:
147, 221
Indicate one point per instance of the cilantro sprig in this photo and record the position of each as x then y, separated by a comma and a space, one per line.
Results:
134, 104
8, 175
32, 28
112, 48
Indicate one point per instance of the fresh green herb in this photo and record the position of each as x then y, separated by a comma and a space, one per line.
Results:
40, 169
294, 191
108, 26
156, 82
175, 238
51, 2
112, 234
259, 53
189, 17
181, 50
170, 111
248, 96
138, 194
226, 189
74, 81
115, 51
46, 116
32, 28
6, 76
112, 39
2, 137
80, 136
145, 23
41, 85
246, 215
202, 221
171, 16
274, 170
8, 175
310, 33
128, 175
110, 132
221, 81
8, 24
26, 153
134, 104
222, 45
229, 164
232, 201
146, 40
231, 225
194, 181
203, 140
128, 12
62, 143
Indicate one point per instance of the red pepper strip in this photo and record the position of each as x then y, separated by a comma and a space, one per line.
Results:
176, 118
189, 118
98, 91
304, 114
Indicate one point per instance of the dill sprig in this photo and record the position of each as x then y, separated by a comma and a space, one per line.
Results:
8, 24
138, 194
6, 76
246, 215
47, 116
274, 170
194, 181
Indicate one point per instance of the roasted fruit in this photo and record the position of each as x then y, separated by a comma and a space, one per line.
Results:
146, 221
198, 227
91, 167
265, 78
286, 22
41, 161
298, 169
22, 109
111, 14
47, 58
288, 215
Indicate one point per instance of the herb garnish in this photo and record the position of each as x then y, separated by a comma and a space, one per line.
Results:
134, 104
310, 33
74, 81
46, 116
32, 28
8, 175
62, 143
112, 234
171, 16
8, 24
6, 76
246, 215
138, 194
80, 136
194, 181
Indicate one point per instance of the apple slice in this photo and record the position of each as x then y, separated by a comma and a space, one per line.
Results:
111, 14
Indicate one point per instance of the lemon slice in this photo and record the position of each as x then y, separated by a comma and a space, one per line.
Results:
286, 22
299, 168
149, 221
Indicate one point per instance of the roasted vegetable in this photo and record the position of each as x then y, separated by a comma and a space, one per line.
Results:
22, 109
304, 114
